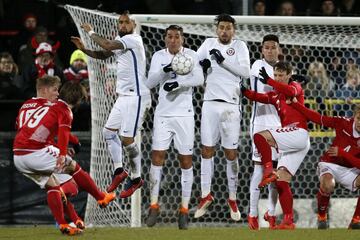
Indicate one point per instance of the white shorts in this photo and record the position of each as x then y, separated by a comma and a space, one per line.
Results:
343, 175
255, 128
220, 120
127, 114
39, 165
293, 143
181, 129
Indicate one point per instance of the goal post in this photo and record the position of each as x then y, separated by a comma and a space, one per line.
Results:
304, 40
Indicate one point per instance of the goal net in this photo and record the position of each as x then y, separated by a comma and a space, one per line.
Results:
331, 43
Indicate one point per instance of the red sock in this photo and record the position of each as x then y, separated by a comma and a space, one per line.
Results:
357, 209
84, 181
70, 188
323, 200
285, 197
265, 151
55, 204
70, 212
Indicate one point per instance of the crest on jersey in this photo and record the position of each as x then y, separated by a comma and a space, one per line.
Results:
230, 51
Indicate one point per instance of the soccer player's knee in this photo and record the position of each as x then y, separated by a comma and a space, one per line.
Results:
327, 183
207, 152
108, 134
283, 174
231, 154
69, 167
132, 150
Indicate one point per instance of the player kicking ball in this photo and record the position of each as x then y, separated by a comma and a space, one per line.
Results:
37, 158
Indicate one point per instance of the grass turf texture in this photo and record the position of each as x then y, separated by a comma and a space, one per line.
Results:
162, 233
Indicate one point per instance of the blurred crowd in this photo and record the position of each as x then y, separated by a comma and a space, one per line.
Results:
34, 38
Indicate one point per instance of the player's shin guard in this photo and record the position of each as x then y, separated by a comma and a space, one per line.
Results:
155, 179
323, 200
206, 175
187, 179
69, 210
84, 181
132, 152
232, 168
254, 190
55, 204
114, 146
70, 188
285, 197
265, 151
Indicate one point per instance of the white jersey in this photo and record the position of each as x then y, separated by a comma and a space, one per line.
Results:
262, 114
179, 101
131, 64
223, 80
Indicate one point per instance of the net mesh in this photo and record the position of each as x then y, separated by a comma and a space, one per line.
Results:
333, 46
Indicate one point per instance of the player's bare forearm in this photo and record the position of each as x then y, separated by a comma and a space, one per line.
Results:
107, 44
97, 54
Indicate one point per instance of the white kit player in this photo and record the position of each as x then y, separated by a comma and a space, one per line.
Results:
264, 116
133, 100
173, 120
226, 62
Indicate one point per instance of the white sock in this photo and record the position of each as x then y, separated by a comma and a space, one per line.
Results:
114, 146
273, 197
155, 179
187, 179
254, 190
206, 175
232, 169
132, 152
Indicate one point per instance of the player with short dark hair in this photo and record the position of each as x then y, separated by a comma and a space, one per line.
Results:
291, 140
38, 159
133, 100
263, 116
340, 163
225, 62
173, 120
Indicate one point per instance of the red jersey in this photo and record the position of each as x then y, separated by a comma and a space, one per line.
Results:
288, 115
27, 109
346, 138
41, 124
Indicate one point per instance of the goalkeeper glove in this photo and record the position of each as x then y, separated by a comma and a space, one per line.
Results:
77, 147
167, 68
217, 55
205, 64
264, 75
170, 86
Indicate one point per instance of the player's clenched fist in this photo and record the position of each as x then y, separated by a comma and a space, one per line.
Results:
217, 55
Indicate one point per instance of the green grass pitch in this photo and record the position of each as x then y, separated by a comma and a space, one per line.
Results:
162, 233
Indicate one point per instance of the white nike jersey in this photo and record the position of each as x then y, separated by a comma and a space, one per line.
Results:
131, 64
179, 101
223, 80
262, 114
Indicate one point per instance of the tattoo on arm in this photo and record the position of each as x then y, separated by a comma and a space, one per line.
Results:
107, 44
98, 54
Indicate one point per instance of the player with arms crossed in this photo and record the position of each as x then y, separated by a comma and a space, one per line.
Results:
291, 140
340, 163
134, 98
264, 116
47, 90
37, 158
226, 61
173, 120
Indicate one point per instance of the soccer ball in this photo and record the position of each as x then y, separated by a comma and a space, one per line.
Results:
182, 63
